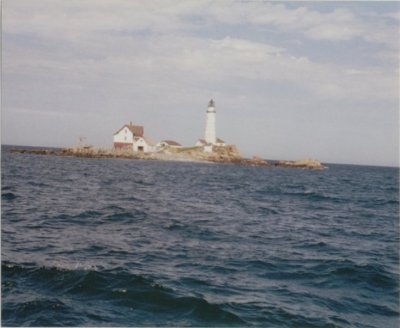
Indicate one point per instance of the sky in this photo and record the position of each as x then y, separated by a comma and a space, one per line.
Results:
290, 80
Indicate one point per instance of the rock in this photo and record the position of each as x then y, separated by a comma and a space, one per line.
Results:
302, 164
309, 164
283, 163
257, 161
224, 155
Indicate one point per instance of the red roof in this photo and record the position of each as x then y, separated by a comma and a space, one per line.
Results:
137, 130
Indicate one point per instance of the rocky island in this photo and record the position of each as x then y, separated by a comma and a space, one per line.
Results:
130, 142
224, 155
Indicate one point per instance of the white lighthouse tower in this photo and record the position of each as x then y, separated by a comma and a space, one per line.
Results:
210, 134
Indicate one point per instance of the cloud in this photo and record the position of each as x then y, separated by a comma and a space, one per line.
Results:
393, 15
157, 60
338, 25
76, 19
160, 60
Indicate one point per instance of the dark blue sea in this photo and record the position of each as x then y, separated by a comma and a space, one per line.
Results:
114, 242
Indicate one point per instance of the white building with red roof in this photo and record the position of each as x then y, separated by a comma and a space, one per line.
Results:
132, 137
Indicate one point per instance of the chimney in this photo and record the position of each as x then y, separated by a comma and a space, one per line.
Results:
130, 123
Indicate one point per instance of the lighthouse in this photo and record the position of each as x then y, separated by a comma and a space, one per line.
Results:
210, 134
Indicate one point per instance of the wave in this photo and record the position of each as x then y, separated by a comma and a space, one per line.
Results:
338, 274
93, 217
8, 196
316, 196
134, 295
369, 274
225, 246
327, 274
40, 312
38, 184
89, 214
127, 216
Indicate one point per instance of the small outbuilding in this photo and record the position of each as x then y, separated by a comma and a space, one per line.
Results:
169, 143
145, 145
203, 143
220, 142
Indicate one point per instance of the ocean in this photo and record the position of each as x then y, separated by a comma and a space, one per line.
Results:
114, 242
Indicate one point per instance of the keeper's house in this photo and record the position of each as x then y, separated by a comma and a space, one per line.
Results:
131, 137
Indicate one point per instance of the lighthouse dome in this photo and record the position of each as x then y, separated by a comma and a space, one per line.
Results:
211, 107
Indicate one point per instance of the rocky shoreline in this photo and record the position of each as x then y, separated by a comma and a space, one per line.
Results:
302, 164
223, 155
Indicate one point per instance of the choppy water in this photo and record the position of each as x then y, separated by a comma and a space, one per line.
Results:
124, 242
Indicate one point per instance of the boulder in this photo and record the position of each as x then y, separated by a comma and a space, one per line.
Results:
257, 161
302, 164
